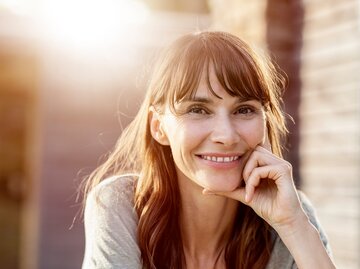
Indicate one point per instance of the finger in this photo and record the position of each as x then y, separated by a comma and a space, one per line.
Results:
259, 173
251, 164
269, 157
245, 161
259, 157
238, 194
266, 142
263, 149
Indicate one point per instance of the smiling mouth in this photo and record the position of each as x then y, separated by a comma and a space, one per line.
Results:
220, 159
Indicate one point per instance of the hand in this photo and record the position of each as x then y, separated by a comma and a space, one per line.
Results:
269, 189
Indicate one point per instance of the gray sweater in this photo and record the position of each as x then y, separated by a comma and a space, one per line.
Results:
111, 222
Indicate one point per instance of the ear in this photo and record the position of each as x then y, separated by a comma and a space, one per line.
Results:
156, 129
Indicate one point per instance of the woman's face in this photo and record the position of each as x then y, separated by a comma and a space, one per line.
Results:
211, 138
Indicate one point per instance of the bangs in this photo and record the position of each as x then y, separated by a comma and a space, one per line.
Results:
232, 62
189, 66
236, 72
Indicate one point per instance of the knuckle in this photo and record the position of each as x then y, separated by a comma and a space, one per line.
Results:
286, 166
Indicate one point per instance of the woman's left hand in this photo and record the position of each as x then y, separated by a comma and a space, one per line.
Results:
269, 189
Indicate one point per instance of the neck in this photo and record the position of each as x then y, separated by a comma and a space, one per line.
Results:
206, 223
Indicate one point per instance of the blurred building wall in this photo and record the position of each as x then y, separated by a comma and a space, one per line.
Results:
14, 98
19, 74
284, 27
326, 106
330, 121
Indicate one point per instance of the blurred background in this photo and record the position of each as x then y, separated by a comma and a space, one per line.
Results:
73, 73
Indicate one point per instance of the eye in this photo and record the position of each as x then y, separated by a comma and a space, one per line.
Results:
197, 110
246, 110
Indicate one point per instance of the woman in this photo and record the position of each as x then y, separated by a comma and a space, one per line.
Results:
197, 179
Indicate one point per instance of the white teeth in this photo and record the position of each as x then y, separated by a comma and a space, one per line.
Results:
220, 159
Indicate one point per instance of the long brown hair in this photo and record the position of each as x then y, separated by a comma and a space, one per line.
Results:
241, 72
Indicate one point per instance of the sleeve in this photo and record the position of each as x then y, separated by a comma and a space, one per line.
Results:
280, 256
311, 213
110, 227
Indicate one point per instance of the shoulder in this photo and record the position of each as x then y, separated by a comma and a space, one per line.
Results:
113, 190
110, 225
280, 256
111, 203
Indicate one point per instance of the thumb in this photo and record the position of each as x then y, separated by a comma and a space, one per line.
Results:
238, 194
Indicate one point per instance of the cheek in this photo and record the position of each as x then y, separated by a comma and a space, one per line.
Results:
186, 136
171, 126
184, 139
179, 133
254, 132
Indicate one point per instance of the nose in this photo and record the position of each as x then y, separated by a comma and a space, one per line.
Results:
225, 131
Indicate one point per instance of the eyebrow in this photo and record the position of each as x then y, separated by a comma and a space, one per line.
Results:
199, 100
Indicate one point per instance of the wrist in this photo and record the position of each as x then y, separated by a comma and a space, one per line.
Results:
303, 241
293, 227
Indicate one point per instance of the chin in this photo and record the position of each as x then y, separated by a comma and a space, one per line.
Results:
224, 187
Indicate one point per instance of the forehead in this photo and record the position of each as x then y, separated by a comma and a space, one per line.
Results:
210, 87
